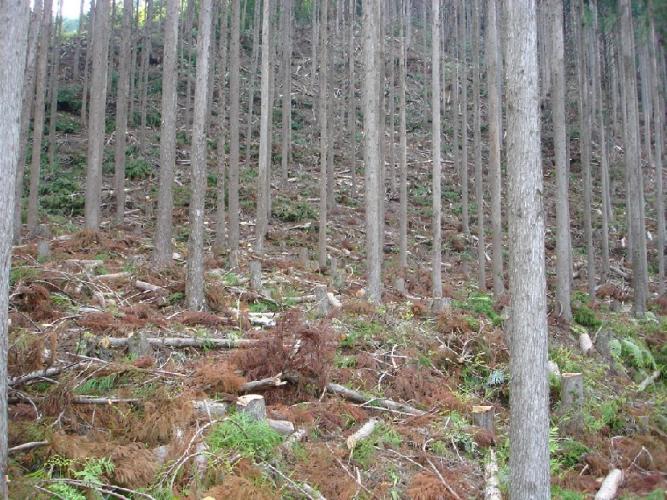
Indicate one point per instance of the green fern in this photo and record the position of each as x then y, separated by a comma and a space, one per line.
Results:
639, 355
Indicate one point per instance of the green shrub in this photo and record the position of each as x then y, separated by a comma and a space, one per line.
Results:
138, 168
241, 434
287, 210
585, 316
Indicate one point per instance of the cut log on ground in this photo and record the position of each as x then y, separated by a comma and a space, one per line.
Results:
211, 409
610, 485
370, 402
149, 287
363, 433
265, 383
283, 427
27, 446
49, 372
208, 343
648, 381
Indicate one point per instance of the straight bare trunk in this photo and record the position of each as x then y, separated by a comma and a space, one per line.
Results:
324, 141
234, 131
194, 284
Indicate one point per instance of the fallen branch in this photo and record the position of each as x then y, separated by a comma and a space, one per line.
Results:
94, 400
363, 433
264, 383
648, 381
27, 446
357, 397
149, 287
610, 485
113, 277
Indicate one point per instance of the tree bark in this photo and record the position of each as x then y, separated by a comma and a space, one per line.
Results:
98, 94
529, 405
76, 63
163, 231
254, 58
143, 73
286, 34
14, 18
121, 112
371, 33
53, 86
194, 285
463, 37
403, 184
38, 119
352, 102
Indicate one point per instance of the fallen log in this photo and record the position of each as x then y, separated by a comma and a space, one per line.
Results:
357, 397
49, 372
209, 343
610, 485
113, 276
149, 287
264, 383
27, 446
94, 400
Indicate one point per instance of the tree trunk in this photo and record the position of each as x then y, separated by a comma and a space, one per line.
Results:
234, 131
437, 167
121, 112
351, 100
265, 117
253, 75
495, 182
26, 111
658, 107
529, 404
324, 143
463, 37
371, 33
76, 63
286, 34
561, 160
635, 196
163, 230
98, 94
403, 186
477, 142
220, 218
38, 120
194, 285
14, 18
143, 74
53, 86
86, 73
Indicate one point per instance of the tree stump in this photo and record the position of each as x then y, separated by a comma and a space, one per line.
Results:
252, 405
43, 243
255, 275
304, 259
572, 400
322, 299
483, 417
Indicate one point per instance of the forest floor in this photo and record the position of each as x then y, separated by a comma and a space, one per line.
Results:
115, 408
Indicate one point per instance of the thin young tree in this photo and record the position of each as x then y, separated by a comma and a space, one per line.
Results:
371, 88
38, 117
324, 141
163, 230
351, 99
437, 166
528, 332
14, 18
194, 284
562, 161
477, 146
98, 94
635, 195
26, 111
254, 58
86, 69
495, 175
143, 74
234, 105
121, 113
76, 63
